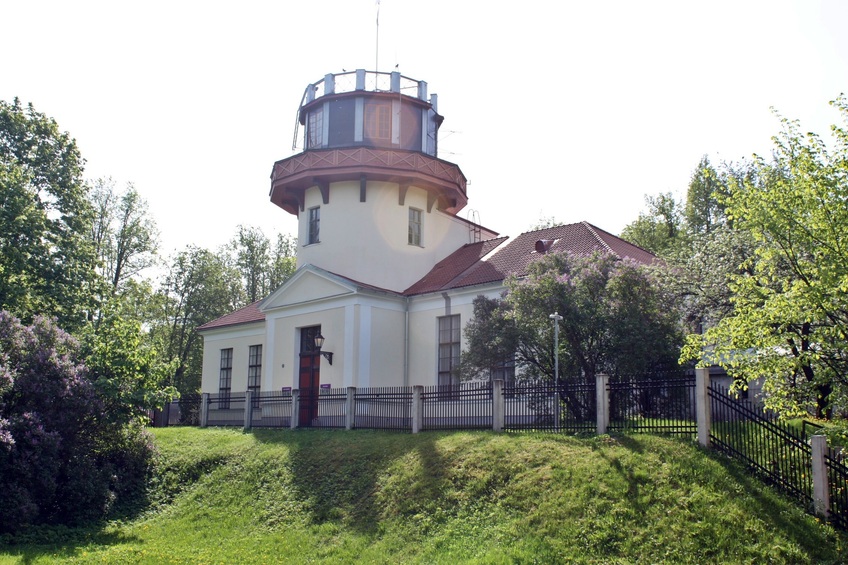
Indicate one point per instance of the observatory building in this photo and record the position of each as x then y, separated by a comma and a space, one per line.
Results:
387, 269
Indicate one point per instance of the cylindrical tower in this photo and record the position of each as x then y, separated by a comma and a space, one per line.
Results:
374, 202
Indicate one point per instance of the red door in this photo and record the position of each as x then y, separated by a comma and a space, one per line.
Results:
310, 368
309, 376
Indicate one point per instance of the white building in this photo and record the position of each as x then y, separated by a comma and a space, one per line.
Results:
387, 270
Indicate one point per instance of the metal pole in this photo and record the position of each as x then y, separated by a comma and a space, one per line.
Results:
555, 317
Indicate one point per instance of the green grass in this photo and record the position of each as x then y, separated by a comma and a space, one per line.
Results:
472, 497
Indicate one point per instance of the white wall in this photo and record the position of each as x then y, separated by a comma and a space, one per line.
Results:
239, 339
368, 241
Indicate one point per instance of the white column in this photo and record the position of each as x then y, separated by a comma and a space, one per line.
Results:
703, 412
248, 410
350, 407
821, 488
417, 408
497, 405
295, 406
204, 409
601, 403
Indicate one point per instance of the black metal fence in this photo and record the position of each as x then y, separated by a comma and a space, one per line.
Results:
457, 407
661, 404
770, 448
272, 409
383, 408
568, 407
225, 410
837, 475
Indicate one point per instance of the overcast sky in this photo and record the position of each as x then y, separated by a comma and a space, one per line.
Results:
572, 110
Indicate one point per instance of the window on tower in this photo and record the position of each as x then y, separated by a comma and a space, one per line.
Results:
314, 225
315, 129
414, 227
378, 121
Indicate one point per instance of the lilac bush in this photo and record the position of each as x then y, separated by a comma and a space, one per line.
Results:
62, 459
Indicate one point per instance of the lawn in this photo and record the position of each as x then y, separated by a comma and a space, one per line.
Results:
269, 496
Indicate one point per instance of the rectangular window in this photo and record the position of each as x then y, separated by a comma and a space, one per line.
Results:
449, 344
414, 227
315, 129
254, 373
314, 225
225, 379
378, 121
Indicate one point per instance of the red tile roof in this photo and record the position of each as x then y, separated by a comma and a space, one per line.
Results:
454, 266
485, 262
513, 259
246, 315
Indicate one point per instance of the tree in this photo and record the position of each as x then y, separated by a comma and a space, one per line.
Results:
45, 258
703, 207
615, 320
659, 229
283, 260
64, 457
789, 323
123, 234
125, 368
198, 287
262, 267
251, 251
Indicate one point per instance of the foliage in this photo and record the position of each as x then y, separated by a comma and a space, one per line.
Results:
125, 369
63, 457
123, 233
704, 210
198, 287
789, 324
382, 497
262, 268
615, 320
657, 230
45, 258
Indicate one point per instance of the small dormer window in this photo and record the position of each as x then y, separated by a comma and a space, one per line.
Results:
314, 225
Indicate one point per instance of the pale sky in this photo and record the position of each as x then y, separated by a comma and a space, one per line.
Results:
574, 110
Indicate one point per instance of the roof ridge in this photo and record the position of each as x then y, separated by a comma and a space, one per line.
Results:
598, 237
479, 260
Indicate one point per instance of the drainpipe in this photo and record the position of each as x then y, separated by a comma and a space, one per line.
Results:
406, 345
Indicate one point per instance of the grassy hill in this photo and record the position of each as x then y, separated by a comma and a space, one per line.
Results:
280, 496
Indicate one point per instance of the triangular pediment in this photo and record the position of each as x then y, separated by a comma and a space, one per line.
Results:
308, 284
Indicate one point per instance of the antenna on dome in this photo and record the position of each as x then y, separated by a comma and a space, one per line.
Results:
377, 49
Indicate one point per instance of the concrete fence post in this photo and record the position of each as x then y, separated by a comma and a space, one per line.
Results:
248, 410
350, 407
497, 405
703, 411
417, 408
821, 488
295, 404
601, 403
204, 410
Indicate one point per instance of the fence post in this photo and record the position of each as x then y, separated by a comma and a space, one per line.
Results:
703, 412
601, 403
295, 415
417, 408
350, 408
204, 410
821, 489
497, 405
248, 410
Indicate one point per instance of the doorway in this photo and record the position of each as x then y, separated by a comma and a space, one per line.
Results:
309, 377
